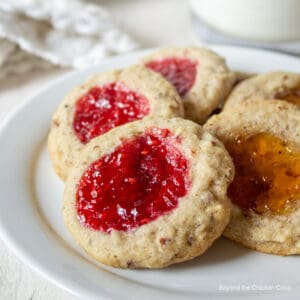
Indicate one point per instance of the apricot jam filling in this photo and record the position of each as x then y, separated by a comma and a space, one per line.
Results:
292, 96
267, 178
139, 181
105, 107
181, 72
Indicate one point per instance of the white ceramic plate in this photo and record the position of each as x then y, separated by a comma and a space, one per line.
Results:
32, 226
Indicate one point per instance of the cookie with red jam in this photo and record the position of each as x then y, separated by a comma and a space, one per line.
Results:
200, 76
149, 194
263, 139
104, 102
273, 85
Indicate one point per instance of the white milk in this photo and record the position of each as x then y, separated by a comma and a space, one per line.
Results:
259, 20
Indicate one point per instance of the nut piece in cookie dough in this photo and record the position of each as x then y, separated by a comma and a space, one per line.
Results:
200, 76
268, 86
149, 194
263, 138
106, 101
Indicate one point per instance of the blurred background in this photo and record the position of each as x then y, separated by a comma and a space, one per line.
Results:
60, 35
41, 40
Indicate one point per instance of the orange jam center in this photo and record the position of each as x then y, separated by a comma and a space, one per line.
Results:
292, 96
267, 178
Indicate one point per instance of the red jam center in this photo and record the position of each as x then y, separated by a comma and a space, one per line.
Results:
139, 181
105, 107
181, 72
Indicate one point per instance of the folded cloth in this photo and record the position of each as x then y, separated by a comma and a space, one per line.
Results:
70, 33
14, 61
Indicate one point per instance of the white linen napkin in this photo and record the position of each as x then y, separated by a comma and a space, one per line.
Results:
69, 33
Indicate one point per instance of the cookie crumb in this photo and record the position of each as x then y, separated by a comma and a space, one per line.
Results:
164, 241
130, 264
282, 107
55, 122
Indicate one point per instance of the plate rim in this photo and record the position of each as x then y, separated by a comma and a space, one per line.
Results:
11, 242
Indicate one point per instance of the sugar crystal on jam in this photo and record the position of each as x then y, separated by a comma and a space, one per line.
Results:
105, 107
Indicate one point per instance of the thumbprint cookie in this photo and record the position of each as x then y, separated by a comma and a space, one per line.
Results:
263, 139
149, 194
200, 76
106, 101
273, 85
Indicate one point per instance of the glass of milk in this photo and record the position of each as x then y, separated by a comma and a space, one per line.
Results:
265, 21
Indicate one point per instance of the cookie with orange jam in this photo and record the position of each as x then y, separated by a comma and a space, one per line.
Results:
149, 194
104, 102
274, 85
263, 139
200, 76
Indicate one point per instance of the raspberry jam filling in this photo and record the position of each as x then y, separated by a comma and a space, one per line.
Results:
267, 178
181, 72
292, 96
105, 107
139, 181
